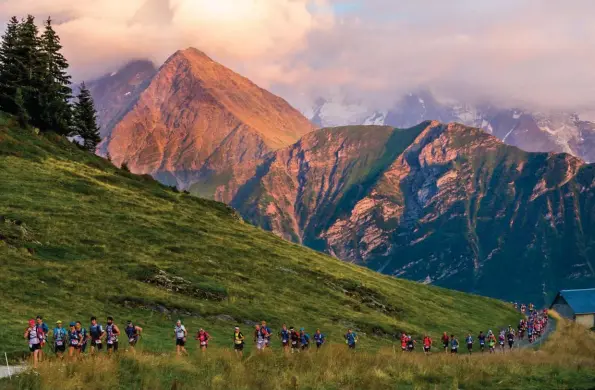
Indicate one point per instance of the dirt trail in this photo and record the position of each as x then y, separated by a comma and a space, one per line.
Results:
13, 370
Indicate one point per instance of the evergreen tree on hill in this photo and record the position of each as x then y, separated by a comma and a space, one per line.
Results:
85, 119
55, 91
31, 73
10, 70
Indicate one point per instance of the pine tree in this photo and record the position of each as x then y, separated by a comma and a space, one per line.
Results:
55, 91
32, 71
20, 110
10, 68
85, 119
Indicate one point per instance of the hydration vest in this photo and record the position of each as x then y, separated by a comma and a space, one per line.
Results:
350, 338
111, 336
305, 339
73, 336
95, 331
34, 336
284, 335
179, 332
59, 333
131, 332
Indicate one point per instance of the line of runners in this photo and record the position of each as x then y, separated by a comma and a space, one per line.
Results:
76, 338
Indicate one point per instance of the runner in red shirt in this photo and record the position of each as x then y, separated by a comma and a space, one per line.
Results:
427, 344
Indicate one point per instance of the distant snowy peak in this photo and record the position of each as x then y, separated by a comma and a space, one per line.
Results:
531, 131
333, 112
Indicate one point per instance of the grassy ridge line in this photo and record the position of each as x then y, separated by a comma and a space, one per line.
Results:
566, 361
83, 238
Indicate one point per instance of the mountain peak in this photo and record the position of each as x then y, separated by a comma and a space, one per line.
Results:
193, 54
198, 119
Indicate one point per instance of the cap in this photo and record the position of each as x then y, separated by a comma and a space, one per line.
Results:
59, 322
237, 328
302, 329
73, 323
31, 322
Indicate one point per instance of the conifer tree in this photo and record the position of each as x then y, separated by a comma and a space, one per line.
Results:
85, 119
32, 70
10, 68
55, 91
20, 110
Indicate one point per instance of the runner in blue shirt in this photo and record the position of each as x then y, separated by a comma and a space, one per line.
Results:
482, 341
319, 338
454, 344
304, 339
351, 338
59, 335
284, 335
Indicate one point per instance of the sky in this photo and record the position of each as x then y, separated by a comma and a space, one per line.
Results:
533, 53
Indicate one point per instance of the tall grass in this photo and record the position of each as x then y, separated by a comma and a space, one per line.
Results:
566, 361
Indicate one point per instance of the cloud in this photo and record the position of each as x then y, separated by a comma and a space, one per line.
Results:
98, 34
523, 52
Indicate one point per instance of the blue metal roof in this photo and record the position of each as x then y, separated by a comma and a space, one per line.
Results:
581, 301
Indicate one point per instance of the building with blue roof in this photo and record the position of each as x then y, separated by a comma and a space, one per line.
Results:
577, 305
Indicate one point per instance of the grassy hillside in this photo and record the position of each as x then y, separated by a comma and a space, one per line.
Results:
79, 237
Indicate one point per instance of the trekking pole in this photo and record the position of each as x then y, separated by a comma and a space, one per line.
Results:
7, 366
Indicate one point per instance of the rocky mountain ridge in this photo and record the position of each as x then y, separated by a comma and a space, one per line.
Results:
534, 131
439, 203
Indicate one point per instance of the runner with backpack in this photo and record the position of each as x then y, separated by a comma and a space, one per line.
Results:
203, 339
427, 344
260, 337
491, 342
482, 341
267, 334
96, 332
445, 341
111, 334
469, 341
75, 341
319, 338
294, 338
501, 340
284, 336
59, 339
403, 342
34, 338
133, 333
180, 334
238, 342
351, 339
43, 331
304, 339
510, 338
84, 336
410, 343
454, 344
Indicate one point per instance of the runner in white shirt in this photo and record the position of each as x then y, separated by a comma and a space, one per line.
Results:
180, 337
